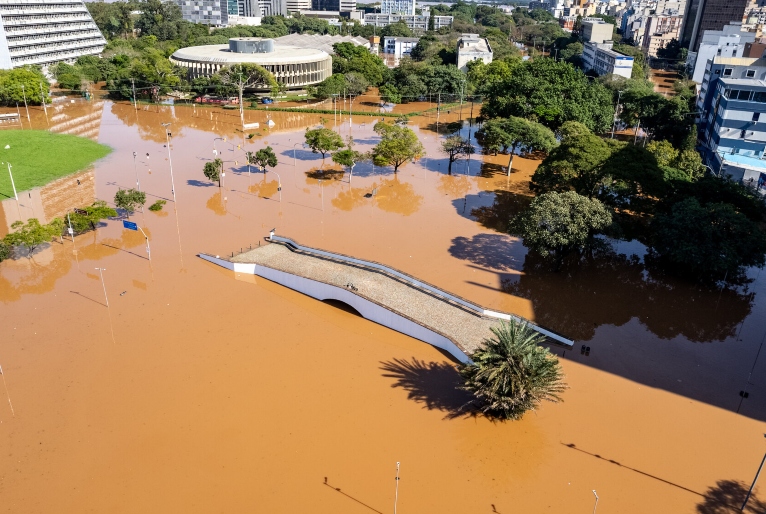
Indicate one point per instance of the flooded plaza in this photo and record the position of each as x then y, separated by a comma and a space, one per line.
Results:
197, 390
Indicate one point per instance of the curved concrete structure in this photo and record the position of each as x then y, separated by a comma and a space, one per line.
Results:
291, 66
379, 293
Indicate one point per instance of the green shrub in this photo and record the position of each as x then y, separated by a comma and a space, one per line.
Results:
157, 206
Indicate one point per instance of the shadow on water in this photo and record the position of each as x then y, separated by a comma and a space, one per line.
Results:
434, 384
200, 183
727, 496
493, 251
612, 289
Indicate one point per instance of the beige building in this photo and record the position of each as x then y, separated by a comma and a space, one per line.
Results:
595, 30
293, 67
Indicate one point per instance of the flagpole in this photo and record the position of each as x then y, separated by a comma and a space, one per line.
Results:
6, 391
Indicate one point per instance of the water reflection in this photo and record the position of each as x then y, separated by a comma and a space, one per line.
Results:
391, 196
454, 186
613, 289
215, 204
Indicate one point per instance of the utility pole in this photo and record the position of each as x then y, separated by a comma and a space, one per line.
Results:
135, 169
170, 161
12, 184
101, 273
26, 108
396, 494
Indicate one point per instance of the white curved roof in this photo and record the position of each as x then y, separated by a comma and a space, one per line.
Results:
220, 54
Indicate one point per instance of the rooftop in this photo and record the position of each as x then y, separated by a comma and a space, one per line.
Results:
220, 54
317, 42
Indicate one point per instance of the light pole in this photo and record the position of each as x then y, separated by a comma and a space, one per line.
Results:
754, 481
13, 185
148, 250
295, 161
135, 169
170, 161
334, 104
396, 494
596, 505
616, 109
71, 230
101, 273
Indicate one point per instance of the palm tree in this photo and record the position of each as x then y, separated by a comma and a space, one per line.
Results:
511, 374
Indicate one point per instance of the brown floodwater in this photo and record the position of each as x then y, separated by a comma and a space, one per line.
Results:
196, 390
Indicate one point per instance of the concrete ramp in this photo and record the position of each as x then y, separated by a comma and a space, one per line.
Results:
379, 293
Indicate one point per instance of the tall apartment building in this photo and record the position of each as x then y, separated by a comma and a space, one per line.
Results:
397, 7
44, 32
731, 41
207, 12
596, 30
417, 22
659, 31
333, 5
702, 15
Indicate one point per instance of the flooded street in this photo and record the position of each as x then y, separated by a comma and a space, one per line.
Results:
199, 391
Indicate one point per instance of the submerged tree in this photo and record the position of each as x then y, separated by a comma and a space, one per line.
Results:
212, 170
348, 157
32, 234
323, 140
556, 224
515, 133
511, 374
397, 145
263, 158
129, 199
455, 147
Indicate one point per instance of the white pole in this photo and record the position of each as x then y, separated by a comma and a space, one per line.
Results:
148, 250
71, 231
100, 272
42, 99
12, 184
170, 161
596, 505
135, 169
6, 392
396, 494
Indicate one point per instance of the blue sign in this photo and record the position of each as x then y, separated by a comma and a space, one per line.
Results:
129, 225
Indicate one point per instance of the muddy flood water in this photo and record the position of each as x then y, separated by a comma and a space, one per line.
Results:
198, 391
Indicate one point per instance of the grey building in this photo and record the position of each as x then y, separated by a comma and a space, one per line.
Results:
44, 32
417, 22
207, 12
596, 31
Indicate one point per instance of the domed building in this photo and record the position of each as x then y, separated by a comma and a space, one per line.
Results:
292, 66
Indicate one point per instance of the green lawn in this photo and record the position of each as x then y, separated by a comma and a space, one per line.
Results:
38, 157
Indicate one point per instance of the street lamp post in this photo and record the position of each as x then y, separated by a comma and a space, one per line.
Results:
596, 505
26, 108
170, 161
13, 185
135, 169
279, 185
294, 160
396, 493
148, 250
101, 273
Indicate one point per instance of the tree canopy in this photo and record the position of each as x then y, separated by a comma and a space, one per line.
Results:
511, 373
550, 93
397, 145
129, 199
263, 158
511, 134
455, 147
212, 170
323, 140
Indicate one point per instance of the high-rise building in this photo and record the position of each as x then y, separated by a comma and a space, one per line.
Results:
702, 15
333, 5
44, 32
273, 7
397, 7
208, 12
294, 6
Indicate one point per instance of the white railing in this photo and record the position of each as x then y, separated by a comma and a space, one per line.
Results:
423, 286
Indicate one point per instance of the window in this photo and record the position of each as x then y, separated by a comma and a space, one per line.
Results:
759, 96
756, 116
727, 72
750, 74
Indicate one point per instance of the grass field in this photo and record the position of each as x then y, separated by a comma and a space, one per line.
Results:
38, 157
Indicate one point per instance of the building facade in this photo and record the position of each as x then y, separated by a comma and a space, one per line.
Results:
734, 134
207, 12
600, 58
417, 22
702, 15
293, 67
471, 47
397, 7
731, 41
44, 32
399, 46
596, 31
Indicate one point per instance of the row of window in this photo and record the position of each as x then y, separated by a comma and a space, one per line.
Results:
727, 72
23, 40
745, 95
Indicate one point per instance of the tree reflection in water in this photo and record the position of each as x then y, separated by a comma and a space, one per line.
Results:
392, 196
611, 288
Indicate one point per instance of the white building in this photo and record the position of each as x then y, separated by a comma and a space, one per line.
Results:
471, 47
397, 7
399, 46
417, 22
596, 30
603, 60
45, 32
728, 42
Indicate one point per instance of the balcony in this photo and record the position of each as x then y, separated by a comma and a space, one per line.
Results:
43, 49
34, 40
44, 20
46, 29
